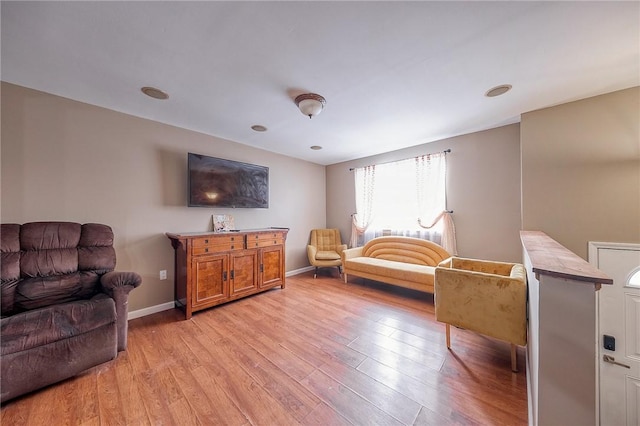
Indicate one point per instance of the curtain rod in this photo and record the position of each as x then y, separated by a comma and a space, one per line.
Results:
446, 211
446, 151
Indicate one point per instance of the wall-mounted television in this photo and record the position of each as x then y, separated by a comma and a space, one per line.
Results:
216, 182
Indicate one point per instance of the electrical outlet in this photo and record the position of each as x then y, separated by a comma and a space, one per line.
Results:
163, 274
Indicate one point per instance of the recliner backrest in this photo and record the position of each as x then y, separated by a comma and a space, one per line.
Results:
46, 263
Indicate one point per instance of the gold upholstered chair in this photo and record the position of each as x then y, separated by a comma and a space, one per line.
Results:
487, 297
325, 249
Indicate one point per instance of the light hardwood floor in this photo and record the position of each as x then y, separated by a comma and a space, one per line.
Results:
319, 352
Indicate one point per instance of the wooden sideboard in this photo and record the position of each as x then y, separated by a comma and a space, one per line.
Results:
214, 268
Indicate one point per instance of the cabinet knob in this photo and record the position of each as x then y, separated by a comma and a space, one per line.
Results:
206, 241
231, 247
206, 250
232, 238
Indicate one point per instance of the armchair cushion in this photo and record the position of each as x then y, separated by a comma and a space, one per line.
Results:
327, 255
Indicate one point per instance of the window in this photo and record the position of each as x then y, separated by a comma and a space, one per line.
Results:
406, 197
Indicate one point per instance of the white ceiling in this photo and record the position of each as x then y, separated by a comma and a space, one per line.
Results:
395, 74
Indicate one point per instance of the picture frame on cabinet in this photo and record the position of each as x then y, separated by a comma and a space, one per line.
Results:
222, 222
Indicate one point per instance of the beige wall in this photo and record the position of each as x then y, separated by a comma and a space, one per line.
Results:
581, 170
65, 160
483, 190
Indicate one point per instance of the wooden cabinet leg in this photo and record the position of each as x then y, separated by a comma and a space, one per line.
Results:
448, 333
514, 363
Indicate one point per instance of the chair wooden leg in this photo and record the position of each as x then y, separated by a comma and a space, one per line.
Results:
345, 277
448, 334
315, 274
514, 363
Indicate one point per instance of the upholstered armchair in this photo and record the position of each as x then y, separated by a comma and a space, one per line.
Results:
489, 298
325, 249
64, 308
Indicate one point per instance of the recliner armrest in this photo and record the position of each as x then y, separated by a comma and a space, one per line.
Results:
118, 285
114, 279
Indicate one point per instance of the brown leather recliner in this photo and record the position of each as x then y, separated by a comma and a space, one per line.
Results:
64, 309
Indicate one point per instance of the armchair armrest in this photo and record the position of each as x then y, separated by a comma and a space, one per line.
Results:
446, 263
340, 248
118, 285
311, 252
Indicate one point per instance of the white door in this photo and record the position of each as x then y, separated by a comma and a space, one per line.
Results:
619, 318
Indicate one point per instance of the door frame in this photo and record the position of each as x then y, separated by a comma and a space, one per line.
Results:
594, 246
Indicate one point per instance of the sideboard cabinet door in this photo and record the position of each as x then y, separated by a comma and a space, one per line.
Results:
211, 278
244, 272
272, 266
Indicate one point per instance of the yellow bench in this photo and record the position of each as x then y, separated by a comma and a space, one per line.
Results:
402, 261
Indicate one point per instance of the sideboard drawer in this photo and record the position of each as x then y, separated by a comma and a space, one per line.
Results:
216, 243
256, 236
265, 242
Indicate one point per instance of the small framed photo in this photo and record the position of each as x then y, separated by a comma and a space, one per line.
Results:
222, 222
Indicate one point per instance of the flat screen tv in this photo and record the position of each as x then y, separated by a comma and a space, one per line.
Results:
216, 182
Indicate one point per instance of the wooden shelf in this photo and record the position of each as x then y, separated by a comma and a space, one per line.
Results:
549, 257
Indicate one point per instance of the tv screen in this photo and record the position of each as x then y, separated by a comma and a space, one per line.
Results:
216, 182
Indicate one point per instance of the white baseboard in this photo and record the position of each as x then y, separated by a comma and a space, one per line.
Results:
170, 305
151, 310
298, 271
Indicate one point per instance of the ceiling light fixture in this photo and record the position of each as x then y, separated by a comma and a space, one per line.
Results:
498, 90
258, 128
155, 93
310, 104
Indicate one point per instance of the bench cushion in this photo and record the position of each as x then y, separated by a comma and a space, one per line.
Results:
403, 261
421, 274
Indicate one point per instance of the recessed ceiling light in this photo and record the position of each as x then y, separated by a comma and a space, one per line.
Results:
154, 93
259, 128
315, 147
498, 90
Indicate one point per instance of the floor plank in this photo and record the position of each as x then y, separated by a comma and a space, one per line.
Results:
319, 352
